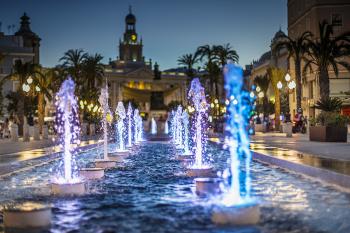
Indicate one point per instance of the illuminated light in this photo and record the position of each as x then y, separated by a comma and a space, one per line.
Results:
210, 118
212, 105
279, 85
85, 102
216, 101
95, 108
227, 102
81, 102
232, 97
109, 118
37, 88
258, 89
30, 80
287, 77
261, 95
251, 94
235, 102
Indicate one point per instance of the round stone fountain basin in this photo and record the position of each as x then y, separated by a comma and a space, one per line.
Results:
200, 172
183, 156
105, 163
27, 215
186, 162
205, 186
116, 158
68, 189
92, 173
124, 153
237, 215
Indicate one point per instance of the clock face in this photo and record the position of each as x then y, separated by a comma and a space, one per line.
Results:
133, 37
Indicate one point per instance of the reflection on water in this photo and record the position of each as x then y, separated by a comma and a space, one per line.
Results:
151, 194
339, 166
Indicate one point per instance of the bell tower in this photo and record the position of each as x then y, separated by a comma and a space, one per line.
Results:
130, 49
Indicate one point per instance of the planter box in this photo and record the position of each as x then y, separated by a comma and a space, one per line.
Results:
328, 134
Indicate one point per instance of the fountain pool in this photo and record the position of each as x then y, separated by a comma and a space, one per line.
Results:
152, 194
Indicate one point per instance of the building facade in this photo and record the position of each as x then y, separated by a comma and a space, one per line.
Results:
130, 77
305, 15
24, 45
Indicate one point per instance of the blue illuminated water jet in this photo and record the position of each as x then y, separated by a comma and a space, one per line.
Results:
129, 113
239, 111
103, 100
121, 114
153, 126
67, 126
197, 98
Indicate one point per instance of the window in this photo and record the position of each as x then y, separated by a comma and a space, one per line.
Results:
311, 90
337, 20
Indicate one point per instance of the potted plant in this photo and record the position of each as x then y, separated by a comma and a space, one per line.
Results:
329, 125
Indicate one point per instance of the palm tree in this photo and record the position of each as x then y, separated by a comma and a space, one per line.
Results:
73, 61
44, 83
208, 54
326, 52
189, 60
226, 53
263, 82
296, 49
276, 75
21, 72
93, 71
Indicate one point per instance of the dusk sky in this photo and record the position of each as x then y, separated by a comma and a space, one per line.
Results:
169, 28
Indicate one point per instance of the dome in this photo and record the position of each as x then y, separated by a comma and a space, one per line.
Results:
130, 19
279, 34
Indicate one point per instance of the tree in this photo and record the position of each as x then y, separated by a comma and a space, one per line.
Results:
21, 72
276, 75
327, 52
296, 49
189, 60
208, 55
226, 53
73, 61
43, 83
93, 71
263, 82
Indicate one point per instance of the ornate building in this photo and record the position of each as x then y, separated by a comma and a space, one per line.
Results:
130, 77
23, 45
305, 15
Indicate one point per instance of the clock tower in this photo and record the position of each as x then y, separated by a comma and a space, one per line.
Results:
130, 49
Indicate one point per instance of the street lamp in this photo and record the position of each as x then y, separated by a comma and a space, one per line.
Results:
287, 77
279, 85
30, 80
25, 87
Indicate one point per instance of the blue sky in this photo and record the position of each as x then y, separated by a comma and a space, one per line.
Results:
169, 28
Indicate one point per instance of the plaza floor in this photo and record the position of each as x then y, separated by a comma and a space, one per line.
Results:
301, 142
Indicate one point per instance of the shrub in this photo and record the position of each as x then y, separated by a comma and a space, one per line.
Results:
332, 119
329, 104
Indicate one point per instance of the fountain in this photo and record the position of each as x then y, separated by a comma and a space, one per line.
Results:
120, 153
129, 113
27, 216
153, 126
166, 127
138, 128
197, 97
67, 126
187, 154
237, 205
178, 128
173, 125
98, 172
